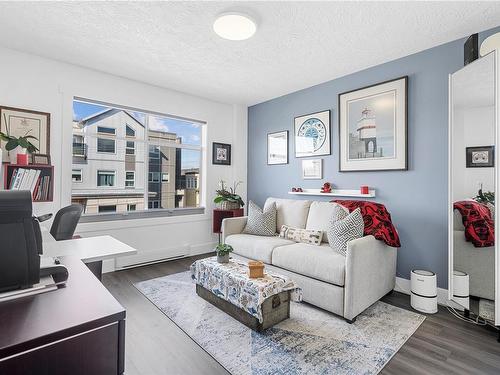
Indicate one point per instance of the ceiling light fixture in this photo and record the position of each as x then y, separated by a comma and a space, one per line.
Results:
235, 26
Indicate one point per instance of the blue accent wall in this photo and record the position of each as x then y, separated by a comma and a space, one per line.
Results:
417, 198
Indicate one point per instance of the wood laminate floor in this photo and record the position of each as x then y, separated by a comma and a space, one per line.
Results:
155, 345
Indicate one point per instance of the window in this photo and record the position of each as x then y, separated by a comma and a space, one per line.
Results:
106, 178
106, 130
129, 131
78, 145
154, 176
106, 145
144, 160
76, 175
154, 204
129, 179
130, 148
109, 208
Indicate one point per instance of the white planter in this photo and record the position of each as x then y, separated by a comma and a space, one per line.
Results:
13, 154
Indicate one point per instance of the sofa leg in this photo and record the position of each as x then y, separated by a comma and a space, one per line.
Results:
350, 321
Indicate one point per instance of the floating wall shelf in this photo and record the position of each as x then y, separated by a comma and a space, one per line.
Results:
336, 193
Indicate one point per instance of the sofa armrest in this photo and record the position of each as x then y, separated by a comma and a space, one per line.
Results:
233, 225
370, 274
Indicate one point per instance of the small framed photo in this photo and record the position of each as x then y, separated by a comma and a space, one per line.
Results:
312, 134
40, 159
312, 169
221, 153
277, 148
480, 157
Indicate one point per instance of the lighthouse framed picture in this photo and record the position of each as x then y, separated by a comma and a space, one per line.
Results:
373, 132
312, 134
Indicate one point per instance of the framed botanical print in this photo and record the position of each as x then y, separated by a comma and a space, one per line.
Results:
480, 157
20, 122
373, 127
221, 153
312, 169
277, 148
312, 134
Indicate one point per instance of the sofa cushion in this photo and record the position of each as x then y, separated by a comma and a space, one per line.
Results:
320, 214
255, 247
290, 212
261, 223
318, 262
309, 236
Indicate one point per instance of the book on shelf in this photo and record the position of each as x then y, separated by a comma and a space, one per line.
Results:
32, 180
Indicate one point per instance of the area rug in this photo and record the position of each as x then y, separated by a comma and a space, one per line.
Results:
312, 341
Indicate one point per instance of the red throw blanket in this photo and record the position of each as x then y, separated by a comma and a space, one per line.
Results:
479, 226
377, 220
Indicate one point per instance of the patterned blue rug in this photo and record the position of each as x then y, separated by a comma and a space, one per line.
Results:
312, 341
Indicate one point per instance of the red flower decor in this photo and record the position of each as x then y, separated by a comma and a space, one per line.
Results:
377, 220
326, 188
479, 226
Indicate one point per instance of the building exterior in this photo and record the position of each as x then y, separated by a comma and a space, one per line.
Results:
364, 143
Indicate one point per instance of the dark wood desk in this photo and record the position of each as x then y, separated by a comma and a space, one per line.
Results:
78, 329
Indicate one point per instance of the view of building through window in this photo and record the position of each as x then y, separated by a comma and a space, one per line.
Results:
130, 160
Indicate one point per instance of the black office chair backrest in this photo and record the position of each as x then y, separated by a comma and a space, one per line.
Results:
20, 241
64, 224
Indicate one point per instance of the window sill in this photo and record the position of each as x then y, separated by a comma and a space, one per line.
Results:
146, 214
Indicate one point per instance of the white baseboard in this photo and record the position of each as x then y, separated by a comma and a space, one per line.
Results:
403, 286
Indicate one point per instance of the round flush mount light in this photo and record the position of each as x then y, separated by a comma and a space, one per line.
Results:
235, 26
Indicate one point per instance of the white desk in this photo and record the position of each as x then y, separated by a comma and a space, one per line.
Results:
91, 250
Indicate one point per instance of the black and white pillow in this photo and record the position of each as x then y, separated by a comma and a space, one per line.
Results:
344, 227
261, 223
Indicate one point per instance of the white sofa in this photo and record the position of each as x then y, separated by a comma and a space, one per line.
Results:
343, 285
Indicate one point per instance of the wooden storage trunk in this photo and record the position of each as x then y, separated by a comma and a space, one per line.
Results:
274, 309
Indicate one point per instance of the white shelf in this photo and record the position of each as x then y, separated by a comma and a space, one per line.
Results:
336, 193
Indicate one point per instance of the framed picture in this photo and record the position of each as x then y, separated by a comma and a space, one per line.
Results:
221, 153
18, 122
373, 127
312, 134
480, 157
277, 148
312, 169
40, 159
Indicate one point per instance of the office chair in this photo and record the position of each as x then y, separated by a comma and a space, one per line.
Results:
65, 222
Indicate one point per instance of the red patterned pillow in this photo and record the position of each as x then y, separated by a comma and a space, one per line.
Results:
377, 220
479, 226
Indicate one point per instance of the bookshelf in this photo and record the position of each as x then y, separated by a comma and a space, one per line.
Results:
46, 171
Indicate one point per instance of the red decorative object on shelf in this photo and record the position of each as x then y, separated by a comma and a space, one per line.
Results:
219, 215
365, 189
22, 159
326, 188
41, 184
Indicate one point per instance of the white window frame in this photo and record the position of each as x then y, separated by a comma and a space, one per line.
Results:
106, 133
105, 152
202, 149
129, 148
108, 171
168, 177
131, 128
131, 204
128, 180
81, 175
152, 180
83, 143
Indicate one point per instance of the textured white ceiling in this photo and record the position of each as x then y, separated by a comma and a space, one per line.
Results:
297, 44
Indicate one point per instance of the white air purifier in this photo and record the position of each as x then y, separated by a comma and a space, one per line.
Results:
424, 291
461, 288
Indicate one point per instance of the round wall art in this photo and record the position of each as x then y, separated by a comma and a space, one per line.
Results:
312, 134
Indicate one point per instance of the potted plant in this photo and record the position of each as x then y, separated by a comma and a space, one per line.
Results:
223, 251
228, 199
18, 145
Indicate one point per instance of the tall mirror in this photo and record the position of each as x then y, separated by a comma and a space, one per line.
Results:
472, 261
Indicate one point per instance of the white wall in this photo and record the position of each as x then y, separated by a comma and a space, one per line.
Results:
32, 82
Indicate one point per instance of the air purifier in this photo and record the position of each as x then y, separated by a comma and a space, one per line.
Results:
424, 291
461, 288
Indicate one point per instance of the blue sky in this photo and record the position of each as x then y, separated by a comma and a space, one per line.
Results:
189, 132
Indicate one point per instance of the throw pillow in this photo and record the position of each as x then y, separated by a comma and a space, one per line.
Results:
309, 236
261, 223
344, 227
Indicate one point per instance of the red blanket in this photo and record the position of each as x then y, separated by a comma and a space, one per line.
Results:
377, 220
479, 226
